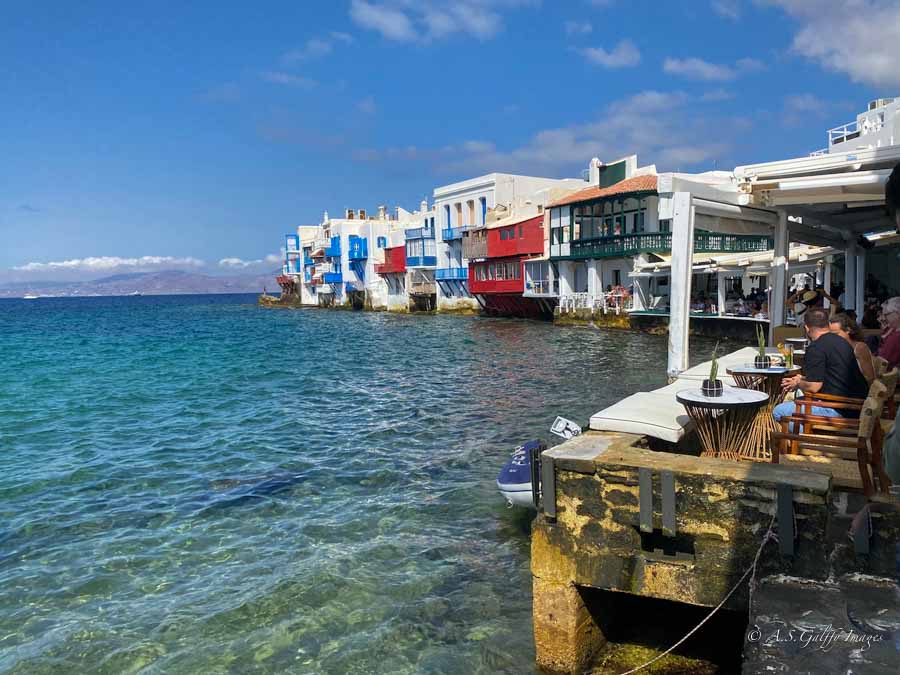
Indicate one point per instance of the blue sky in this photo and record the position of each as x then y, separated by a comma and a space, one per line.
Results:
148, 136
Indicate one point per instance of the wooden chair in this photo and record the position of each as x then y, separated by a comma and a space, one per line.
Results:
852, 461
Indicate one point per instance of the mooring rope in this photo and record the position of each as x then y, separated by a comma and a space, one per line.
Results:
769, 536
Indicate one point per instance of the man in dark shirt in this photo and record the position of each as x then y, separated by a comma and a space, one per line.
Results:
829, 367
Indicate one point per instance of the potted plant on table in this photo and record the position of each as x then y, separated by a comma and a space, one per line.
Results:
713, 387
761, 360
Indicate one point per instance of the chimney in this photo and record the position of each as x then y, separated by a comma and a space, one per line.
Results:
325, 217
594, 171
349, 215
382, 212
423, 207
361, 214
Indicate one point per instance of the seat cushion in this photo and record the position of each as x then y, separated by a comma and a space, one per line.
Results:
645, 413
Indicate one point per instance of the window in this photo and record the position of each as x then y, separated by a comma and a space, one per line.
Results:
521, 230
665, 225
617, 277
447, 215
471, 209
504, 234
620, 225
639, 220
483, 201
381, 242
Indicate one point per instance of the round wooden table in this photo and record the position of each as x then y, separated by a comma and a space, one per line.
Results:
767, 381
723, 422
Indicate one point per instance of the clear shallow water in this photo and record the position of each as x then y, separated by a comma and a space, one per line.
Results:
194, 484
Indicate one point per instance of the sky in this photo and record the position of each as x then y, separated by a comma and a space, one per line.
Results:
145, 136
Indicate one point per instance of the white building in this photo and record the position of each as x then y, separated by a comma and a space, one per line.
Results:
335, 262
461, 210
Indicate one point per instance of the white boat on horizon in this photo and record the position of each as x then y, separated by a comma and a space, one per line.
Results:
30, 297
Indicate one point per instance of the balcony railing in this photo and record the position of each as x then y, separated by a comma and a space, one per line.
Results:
334, 248
539, 287
421, 261
333, 278
451, 233
419, 233
661, 242
307, 261
293, 266
451, 274
358, 248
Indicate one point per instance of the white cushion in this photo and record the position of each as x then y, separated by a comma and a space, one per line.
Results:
645, 413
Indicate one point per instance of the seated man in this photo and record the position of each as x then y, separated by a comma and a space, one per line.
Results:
830, 367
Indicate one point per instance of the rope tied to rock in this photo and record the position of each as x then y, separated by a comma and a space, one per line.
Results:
767, 537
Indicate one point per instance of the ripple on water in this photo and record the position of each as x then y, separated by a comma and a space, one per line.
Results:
194, 484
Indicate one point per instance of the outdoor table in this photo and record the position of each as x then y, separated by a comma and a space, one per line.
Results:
723, 422
767, 381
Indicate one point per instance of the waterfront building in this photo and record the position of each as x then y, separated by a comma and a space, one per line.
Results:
334, 263
600, 234
833, 197
498, 254
421, 261
461, 210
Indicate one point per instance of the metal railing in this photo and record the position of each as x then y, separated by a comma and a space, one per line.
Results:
539, 287
419, 233
451, 233
659, 242
421, 260
333, 277
358, 248
617, 303
451, 274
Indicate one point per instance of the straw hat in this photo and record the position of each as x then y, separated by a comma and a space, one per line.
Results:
809, 296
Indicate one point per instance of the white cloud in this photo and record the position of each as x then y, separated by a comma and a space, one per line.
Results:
239, 263
698, 69
623, 55
111, 263
367, 105
660, 126
317, 47
717, 95
578, 27
860, 38
287, 79
392, 23
805, 103
727, 9
417, 21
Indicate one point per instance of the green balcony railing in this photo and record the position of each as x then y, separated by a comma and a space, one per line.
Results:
661, 242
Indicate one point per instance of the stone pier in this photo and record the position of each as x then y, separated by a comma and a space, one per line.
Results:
687, 534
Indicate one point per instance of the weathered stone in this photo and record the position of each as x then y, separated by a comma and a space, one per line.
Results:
565, 633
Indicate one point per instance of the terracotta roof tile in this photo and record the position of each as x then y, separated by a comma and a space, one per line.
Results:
634, 184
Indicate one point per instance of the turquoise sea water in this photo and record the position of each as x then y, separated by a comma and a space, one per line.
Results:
195, 484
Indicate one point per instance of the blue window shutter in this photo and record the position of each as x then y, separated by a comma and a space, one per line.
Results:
483, 201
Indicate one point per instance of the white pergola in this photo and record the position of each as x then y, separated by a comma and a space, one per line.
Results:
826, 200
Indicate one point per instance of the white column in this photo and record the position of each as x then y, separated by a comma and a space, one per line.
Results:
565, 278
680, 285
720, 301
827, 281
860, 282
593, 281
779, 275
850, 276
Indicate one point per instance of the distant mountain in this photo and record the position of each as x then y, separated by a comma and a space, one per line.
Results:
169, 282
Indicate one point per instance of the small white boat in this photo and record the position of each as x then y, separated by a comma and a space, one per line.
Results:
136, 293
30, 297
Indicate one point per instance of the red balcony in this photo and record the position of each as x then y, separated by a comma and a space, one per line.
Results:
394, 261
497, 276
523, 238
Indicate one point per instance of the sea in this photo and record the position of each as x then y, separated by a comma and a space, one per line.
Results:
195, 484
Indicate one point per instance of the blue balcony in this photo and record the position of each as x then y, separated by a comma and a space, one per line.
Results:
421, 261
307, 275
451, 274
292, 266
291, 242
451, 233
333, 278
358, 248
334, 249
419, 233
307, 261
